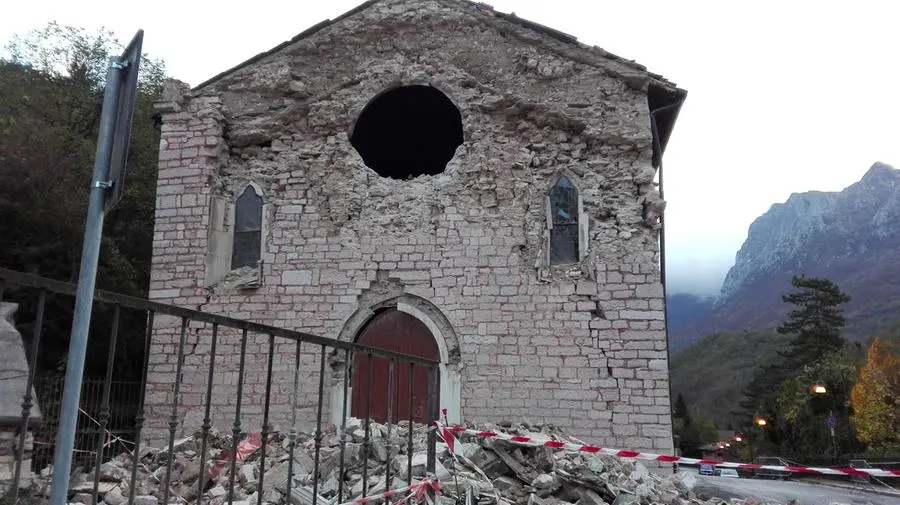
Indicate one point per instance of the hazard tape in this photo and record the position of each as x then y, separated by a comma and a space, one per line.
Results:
417, 490
591, 449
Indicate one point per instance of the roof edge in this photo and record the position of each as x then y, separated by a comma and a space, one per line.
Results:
480, 6
296, 38
664, 112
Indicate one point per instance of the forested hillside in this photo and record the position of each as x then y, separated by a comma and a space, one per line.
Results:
797, 379
712, 373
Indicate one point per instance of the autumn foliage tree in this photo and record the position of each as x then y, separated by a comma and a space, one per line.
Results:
876, 400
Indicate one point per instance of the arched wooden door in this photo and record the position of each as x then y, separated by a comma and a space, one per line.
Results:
396, 331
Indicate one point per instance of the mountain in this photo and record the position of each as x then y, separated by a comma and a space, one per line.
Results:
684, 308
851, 237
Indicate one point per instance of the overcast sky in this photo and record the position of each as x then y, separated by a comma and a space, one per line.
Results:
783, 96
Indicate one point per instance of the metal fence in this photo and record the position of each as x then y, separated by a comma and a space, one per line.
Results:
124, 404
114, 404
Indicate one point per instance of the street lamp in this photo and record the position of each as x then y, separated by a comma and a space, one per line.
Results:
759, 421
818, 389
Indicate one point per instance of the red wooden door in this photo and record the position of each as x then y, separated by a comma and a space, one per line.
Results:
396, 331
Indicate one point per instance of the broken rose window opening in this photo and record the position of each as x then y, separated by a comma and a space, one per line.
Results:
407, 132
563, 223
247, 229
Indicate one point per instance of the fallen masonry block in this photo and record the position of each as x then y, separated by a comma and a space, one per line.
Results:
488, 472
304, 496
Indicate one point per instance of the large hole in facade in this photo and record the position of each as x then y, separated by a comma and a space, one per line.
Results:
407, 132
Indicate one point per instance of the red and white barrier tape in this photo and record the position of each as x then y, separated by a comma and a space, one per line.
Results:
416, 490
447, 431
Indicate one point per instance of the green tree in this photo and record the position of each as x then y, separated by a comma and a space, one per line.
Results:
681, 424
816, 323
681, 410
699, 433
51, 91
801, 414
876, 400
747, 452
758, 401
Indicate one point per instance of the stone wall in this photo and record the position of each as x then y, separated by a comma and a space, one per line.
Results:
582, 347
14, 366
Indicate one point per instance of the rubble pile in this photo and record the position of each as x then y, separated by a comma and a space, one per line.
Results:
485, 471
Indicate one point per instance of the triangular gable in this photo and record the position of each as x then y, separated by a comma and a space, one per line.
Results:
664, 98
634, 74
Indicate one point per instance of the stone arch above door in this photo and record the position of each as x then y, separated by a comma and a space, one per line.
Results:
444, 336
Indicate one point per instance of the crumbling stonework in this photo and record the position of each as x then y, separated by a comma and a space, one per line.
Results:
14, 365
293, 471
582, 346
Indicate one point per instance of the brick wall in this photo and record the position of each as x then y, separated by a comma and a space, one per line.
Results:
582, 346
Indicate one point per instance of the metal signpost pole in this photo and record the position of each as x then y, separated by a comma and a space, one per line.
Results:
93, 231
831, 422
107, 188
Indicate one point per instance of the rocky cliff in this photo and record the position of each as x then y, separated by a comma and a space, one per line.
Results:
851, 237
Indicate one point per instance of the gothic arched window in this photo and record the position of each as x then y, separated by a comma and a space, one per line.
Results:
246, 248
563, 223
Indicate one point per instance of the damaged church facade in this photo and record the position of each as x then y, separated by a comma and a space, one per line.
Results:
479, 188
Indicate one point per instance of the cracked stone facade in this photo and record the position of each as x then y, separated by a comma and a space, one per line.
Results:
581, 346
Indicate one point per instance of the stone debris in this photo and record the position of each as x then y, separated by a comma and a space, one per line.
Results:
485, 472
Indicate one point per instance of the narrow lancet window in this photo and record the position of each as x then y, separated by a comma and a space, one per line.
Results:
563, 223
247, 230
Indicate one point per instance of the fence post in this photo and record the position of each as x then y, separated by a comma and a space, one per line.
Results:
28, 401
433, 408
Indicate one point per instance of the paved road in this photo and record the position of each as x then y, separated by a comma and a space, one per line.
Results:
774, 491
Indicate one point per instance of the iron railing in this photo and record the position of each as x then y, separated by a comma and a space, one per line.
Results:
213, 330
123, 408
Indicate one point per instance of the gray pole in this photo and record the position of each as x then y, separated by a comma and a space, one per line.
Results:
84, 297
